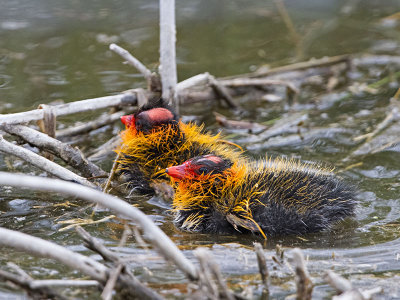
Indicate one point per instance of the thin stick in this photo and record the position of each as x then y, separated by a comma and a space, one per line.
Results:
151, 232
133, 61
92, 125
153, 80
339, 283
310, 64
88, 266
110, 285
63, 282
221, 91
199, 79
239, 82
167, 52
128, 98
42, 163
262, 264
95, 245
303, 282
41, 292
72, 156
39, 247
112, 173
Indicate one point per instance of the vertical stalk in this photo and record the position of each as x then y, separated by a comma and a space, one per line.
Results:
167, 52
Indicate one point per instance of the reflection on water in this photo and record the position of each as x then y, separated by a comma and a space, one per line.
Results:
51, 51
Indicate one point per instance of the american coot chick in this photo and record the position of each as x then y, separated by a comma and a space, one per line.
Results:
154, 139
272, 197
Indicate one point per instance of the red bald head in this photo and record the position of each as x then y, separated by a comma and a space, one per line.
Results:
200, 165
146, 120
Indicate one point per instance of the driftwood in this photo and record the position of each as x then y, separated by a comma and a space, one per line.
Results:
42, 163
128, 98
72, 156
151, 232
74, 260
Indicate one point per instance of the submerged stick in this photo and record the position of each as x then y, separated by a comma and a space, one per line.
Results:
151, 231
167, 67
42, 163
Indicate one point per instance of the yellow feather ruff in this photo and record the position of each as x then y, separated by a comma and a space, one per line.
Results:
167, 146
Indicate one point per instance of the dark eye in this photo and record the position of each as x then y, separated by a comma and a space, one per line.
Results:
203, 170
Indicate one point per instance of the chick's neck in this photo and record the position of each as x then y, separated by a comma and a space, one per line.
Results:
217, 191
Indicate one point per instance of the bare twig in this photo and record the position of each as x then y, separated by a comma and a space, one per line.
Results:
310, 64
221, 91
36, 246
92, 125
112, 172
41, 292
63, 282
208, 267
127, 279
48, 124
128, 98
88, 266
200, 79
133, 61
110, 285
42, 163
339, 283
239, 82
346, 289
151, 232
303, 281
17, 269
262, 264
95, 245
72, 156
167, 52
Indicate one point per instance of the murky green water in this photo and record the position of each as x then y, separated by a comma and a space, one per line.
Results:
59, 50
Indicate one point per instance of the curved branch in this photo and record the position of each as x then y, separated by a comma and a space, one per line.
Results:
42, 163
151, 231
39, 247
70, 155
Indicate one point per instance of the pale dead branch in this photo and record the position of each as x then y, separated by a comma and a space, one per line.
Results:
167, 67
151, 232
72, 156
128, 98
42, 163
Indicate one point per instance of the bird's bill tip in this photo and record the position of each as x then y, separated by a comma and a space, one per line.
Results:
176, 172
128, 120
